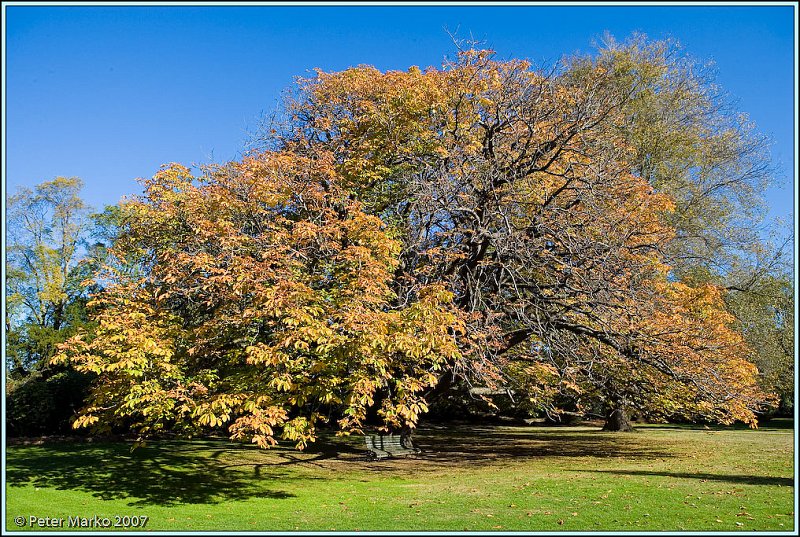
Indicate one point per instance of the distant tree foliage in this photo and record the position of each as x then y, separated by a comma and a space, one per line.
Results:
765, 316
47, 228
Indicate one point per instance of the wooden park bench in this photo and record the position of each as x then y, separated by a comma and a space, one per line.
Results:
382, 446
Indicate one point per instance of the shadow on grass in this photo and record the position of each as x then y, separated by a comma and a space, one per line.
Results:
481, 444
774, 424
158, 474
738, 479
777, 423
315, 454
212, 471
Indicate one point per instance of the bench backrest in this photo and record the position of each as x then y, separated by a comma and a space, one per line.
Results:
389, 443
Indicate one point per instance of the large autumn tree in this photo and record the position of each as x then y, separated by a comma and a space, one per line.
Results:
265, 305
522, 190
402, 233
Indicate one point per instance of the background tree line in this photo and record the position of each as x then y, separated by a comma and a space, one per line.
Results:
585, 238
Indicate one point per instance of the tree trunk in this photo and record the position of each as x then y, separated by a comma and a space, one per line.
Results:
58, 315
617, 420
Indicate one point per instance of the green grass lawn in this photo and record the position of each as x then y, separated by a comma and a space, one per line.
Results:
477, 478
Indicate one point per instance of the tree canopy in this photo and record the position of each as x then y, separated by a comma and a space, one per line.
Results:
485, 222
267, 294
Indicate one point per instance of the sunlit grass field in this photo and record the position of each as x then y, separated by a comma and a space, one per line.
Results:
476, 478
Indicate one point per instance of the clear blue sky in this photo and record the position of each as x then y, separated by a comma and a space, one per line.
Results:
110, 93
